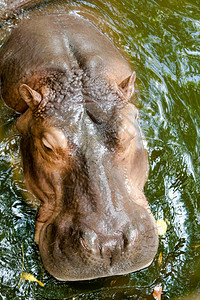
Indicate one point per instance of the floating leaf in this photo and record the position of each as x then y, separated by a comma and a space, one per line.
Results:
27, 276
30, 277
113, 282
162, 226
160, 259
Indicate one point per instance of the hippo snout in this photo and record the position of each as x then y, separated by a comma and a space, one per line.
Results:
102, 246
76, 251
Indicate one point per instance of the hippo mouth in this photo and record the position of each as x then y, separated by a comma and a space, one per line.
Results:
73, 251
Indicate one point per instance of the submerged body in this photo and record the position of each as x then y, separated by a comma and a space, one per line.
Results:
81, 145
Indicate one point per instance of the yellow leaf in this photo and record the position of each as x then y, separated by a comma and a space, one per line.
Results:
113, 282
162, 226
160, 259
195, 246
30, 277
40, 283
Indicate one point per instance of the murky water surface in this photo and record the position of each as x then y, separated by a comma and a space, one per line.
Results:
162, 41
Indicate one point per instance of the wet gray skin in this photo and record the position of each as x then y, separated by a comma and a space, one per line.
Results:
82, 148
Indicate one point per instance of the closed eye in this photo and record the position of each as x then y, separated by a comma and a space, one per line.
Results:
53, 139
46, 144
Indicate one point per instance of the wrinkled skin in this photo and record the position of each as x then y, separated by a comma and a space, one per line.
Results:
12, 7
82, 148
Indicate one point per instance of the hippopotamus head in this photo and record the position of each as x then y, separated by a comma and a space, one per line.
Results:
84, 159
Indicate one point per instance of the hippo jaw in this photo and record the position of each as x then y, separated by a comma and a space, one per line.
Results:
73, 250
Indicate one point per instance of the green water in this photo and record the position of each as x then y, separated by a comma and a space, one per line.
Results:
162, 42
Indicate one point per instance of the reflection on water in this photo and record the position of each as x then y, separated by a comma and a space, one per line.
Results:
162, 41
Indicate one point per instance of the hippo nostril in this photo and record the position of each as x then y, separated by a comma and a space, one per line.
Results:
89, 240
130, 236
83, 243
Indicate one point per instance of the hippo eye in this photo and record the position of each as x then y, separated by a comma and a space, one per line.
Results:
54, 139
46, 144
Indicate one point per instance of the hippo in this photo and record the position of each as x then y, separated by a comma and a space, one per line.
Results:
81, 145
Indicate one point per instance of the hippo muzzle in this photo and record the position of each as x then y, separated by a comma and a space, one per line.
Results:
74, 249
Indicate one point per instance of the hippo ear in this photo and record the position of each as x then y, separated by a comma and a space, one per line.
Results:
30, 96
126, 87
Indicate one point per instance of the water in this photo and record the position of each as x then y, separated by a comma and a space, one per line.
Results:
162, 41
